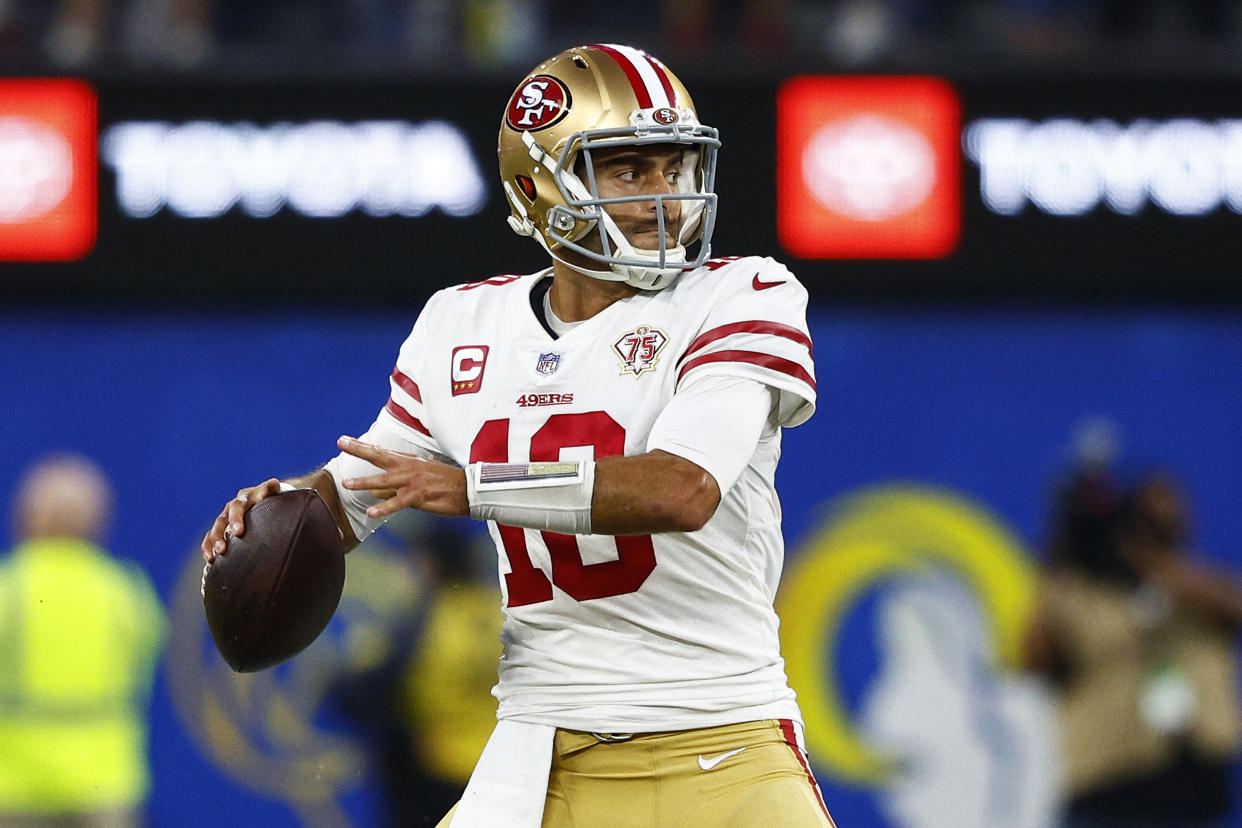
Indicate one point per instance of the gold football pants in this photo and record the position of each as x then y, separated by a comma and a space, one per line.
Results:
733, 776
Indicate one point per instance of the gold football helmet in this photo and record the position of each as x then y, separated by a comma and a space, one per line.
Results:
591, 98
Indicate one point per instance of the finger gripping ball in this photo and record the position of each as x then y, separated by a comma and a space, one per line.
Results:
277, 586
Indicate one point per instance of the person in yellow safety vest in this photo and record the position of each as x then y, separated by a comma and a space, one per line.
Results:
80, 636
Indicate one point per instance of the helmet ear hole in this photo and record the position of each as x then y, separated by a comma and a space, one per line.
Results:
526, 186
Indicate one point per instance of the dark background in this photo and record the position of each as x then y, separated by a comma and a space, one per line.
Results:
358, 260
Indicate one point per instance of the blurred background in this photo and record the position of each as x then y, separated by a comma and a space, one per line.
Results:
1012, 530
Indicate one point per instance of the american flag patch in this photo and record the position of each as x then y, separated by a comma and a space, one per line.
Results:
528, 473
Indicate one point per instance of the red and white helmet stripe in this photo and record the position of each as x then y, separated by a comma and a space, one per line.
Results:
647, 76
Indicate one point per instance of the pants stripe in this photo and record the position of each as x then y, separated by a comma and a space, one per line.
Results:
791, 739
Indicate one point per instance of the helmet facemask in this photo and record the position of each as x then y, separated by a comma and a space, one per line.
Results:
560, 118
583, 213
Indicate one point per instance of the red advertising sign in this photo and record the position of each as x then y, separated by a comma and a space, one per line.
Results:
867, 167
48, 170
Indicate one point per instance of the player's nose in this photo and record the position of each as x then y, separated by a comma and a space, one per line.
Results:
661, 185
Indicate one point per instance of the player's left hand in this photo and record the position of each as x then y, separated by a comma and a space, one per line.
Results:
407, 481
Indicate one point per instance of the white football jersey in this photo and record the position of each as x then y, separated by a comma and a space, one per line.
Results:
634, 633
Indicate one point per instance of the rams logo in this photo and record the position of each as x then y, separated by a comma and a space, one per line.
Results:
871, 538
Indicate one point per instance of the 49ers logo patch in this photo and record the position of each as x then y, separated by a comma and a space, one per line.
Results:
538, 104
640, 349
664, 115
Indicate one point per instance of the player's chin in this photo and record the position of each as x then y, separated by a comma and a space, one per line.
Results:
650, 240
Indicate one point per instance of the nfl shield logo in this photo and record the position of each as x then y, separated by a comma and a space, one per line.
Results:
548, 363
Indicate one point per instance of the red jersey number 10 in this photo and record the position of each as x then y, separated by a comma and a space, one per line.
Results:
528, 584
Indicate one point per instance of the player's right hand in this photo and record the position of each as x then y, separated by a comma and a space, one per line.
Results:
230, 521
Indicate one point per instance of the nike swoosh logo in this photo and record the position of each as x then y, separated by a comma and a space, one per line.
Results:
707, 764
758, 285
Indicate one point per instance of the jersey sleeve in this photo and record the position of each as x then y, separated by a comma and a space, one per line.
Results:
403, 414
399, 426
715, 422
756, 328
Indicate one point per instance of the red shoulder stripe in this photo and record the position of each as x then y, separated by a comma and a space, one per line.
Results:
406, 384
405, 417
773, 363
754, 326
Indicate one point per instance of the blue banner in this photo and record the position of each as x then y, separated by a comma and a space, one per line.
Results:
923, 482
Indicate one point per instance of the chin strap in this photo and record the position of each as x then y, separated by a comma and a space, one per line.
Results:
644, 278
639, 274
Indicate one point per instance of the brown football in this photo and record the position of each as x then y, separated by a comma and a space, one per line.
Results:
277, 586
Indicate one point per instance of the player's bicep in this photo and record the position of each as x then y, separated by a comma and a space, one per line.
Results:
715, 422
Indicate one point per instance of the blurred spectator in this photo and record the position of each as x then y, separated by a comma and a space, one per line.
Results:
254, 36
19, 22
80, 634
423, 640
1148, 18
448, 683
693, 28
1139, 639
380, 615
504, 32
173, 32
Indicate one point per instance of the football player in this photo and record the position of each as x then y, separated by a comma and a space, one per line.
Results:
616, 418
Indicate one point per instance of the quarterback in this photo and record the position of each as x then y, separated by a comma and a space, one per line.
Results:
616, 419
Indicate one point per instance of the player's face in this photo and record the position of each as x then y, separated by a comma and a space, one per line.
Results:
642, 170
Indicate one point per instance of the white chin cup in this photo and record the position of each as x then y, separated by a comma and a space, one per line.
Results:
639, 276
643, 276
649, 278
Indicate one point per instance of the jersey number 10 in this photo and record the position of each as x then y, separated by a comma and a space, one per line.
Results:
526, 583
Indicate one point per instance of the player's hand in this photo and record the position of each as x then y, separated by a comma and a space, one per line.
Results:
231, 520
407, 481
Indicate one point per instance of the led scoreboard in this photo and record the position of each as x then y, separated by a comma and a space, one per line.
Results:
893, 188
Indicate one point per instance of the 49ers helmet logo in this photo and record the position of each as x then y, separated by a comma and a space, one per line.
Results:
537, 104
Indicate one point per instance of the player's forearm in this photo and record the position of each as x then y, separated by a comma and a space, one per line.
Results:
321, 481
652, 492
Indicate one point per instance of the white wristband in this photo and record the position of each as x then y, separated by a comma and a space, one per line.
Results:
287, 487
554, 497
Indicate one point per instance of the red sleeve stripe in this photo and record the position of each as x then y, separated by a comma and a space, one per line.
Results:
405, 417
791, 739
406, 384
773, 363
650, 89
773, 328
